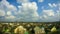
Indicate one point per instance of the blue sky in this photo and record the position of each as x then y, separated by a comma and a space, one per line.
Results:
30, 10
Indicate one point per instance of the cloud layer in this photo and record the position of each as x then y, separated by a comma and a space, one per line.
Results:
28, 12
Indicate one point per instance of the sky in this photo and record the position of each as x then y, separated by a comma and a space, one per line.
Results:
30, 10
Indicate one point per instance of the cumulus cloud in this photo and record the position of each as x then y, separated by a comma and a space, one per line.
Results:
11, 8
49, 12
2, 13
50, 15
6, 9
28, 11
5, 5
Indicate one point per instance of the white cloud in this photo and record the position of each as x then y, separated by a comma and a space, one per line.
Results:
49, 12
32, 6
58, 13
45, 16
19, 6
2, 13
40, 0
40, 17
4, 2
59, 6
28, 11
50, 15
9, 13
36, 14
5, 5
5, 10
11, 8
22, 1
52, 5
10, 17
